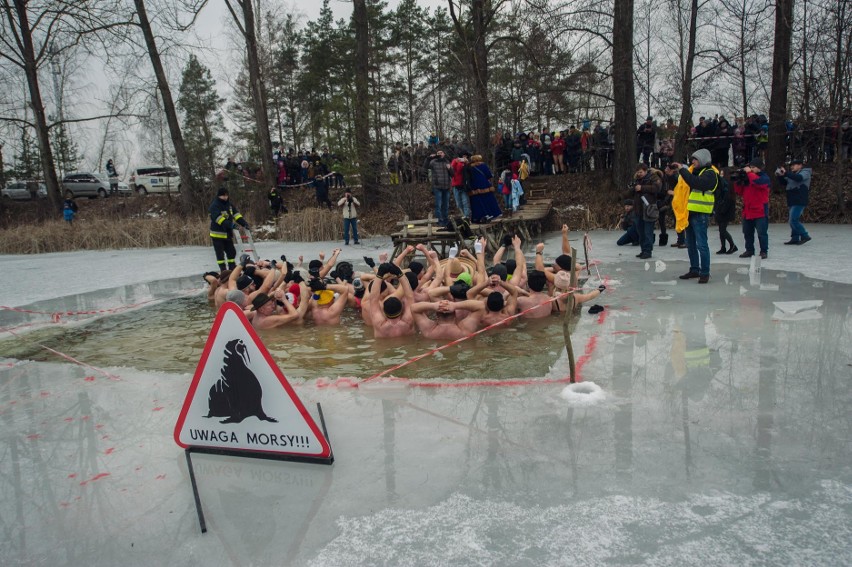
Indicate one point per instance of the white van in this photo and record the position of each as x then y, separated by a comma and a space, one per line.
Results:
154, 179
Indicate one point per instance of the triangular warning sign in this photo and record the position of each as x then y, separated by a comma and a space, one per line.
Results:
240, 402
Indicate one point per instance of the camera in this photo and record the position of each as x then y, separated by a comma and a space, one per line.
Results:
739, 176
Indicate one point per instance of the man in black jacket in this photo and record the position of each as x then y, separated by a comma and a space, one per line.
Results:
797, 180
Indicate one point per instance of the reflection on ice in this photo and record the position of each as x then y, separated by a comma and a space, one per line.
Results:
723, 439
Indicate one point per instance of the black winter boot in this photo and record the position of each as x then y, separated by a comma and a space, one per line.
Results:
664, 238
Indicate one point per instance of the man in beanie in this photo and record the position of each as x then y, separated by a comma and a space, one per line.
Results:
797, 180
754, 189
702, 180
223, 218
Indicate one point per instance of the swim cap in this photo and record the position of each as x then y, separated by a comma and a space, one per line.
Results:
511, 266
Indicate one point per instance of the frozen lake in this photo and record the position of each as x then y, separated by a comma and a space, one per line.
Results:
719, 433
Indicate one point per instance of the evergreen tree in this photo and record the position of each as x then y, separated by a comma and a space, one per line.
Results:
285, 103
409, 30
66, 152
241, 112
199, 104
27, 160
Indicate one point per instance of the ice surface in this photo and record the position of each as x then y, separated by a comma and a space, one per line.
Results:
723, 439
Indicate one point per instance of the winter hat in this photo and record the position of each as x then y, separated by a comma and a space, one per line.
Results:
495, 301
756, 162
562, 281
392, 307
465, 277
498, 270
703, 156
259, 301
459, 290
244, 281
563, 261
222, 191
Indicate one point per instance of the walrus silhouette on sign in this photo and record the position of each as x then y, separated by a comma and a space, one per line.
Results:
237, 394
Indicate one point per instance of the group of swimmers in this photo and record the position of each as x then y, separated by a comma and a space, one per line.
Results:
442, 299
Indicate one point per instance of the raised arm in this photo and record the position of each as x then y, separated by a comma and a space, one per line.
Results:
403, 255
330, 264
566, 246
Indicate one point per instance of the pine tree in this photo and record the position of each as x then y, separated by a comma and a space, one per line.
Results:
199, 103
27, 160
67, 154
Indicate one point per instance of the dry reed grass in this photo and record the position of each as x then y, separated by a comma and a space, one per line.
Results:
102, 234
311, 225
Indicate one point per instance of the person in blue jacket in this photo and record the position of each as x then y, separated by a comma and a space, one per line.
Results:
798, 182
224, 217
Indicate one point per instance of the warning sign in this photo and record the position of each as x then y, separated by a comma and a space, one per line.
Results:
239, 401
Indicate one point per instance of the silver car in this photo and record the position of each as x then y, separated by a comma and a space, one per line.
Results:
92, 185
20, 191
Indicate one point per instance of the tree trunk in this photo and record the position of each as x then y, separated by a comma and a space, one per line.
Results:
258, 91
780, 82
686, 83
479, 62
187, 192
48, 168
623, 93
363, 145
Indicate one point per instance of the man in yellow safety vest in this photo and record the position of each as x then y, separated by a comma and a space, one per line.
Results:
702, 179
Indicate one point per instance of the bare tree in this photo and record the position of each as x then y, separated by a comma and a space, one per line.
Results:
780, 82
624, 97
187, 186
20, 49
247, 25
363, 144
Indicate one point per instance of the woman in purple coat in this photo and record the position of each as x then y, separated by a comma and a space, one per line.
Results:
483, 204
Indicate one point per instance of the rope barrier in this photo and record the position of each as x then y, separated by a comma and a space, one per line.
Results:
247, 178
56, 316
71, 359
462, 339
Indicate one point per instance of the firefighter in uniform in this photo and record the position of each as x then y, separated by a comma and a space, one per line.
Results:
223, 215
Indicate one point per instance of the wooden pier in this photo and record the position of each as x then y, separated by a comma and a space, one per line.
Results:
527, 223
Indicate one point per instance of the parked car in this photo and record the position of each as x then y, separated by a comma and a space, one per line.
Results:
88, 184
21, 190
155, 179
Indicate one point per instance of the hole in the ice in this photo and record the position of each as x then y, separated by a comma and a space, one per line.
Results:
583, 389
